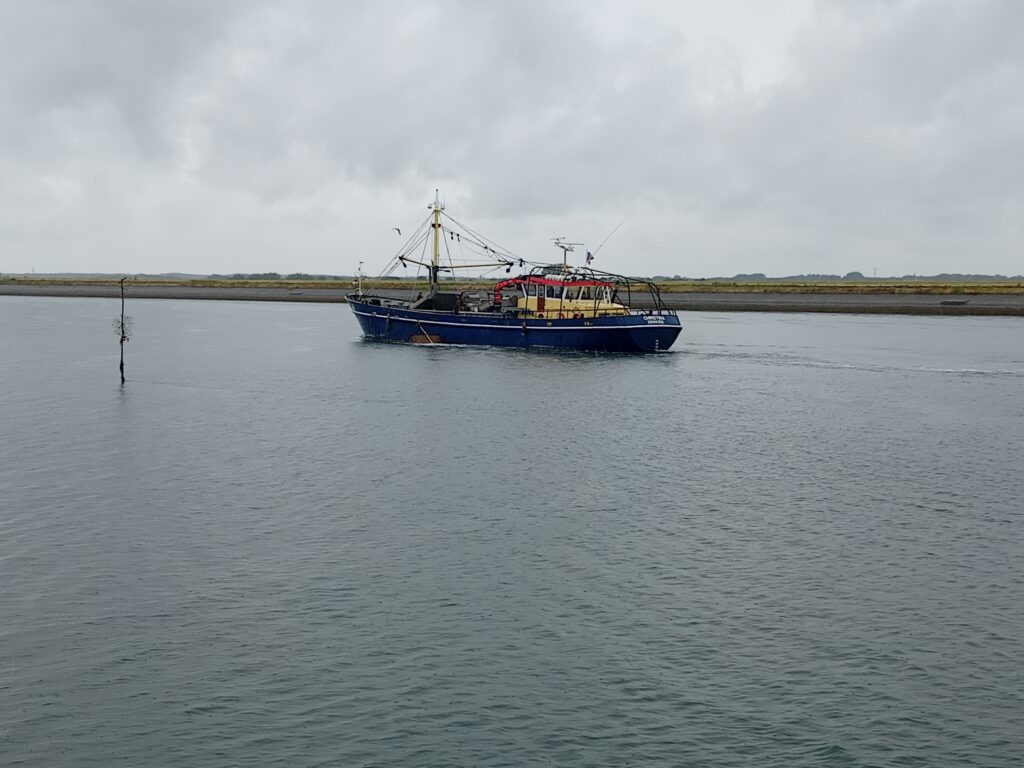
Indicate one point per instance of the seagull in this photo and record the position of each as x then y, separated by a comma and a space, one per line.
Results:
397, 230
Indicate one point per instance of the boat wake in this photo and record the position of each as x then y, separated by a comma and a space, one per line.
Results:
803, 361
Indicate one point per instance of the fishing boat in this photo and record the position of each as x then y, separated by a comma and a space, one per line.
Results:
552, 306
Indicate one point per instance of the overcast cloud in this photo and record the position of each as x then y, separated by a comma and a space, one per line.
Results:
783, 137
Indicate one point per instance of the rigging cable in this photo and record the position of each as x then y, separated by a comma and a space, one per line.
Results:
610, 235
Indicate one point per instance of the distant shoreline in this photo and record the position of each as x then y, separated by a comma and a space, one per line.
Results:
736, 299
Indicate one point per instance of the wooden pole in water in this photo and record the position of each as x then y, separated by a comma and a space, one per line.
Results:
122, 329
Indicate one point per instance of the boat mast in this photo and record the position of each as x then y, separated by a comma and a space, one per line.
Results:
434, 265
435, 262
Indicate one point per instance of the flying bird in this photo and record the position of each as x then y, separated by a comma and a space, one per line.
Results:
397, 230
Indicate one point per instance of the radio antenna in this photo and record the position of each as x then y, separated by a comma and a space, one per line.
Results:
566, 247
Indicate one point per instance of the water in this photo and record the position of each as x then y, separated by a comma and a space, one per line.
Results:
795, 541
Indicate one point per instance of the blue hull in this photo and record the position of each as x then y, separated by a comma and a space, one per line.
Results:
636, 332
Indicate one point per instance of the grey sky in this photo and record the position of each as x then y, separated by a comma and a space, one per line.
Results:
782, 137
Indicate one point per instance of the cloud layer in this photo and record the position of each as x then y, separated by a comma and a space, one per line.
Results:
235, 136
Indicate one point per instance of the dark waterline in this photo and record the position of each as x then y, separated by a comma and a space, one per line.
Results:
795, 541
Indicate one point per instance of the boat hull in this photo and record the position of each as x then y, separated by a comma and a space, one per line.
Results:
637, 332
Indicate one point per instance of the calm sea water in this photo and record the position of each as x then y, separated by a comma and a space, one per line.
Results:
794, 541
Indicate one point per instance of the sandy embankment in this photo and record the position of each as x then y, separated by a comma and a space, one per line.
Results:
916, 304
